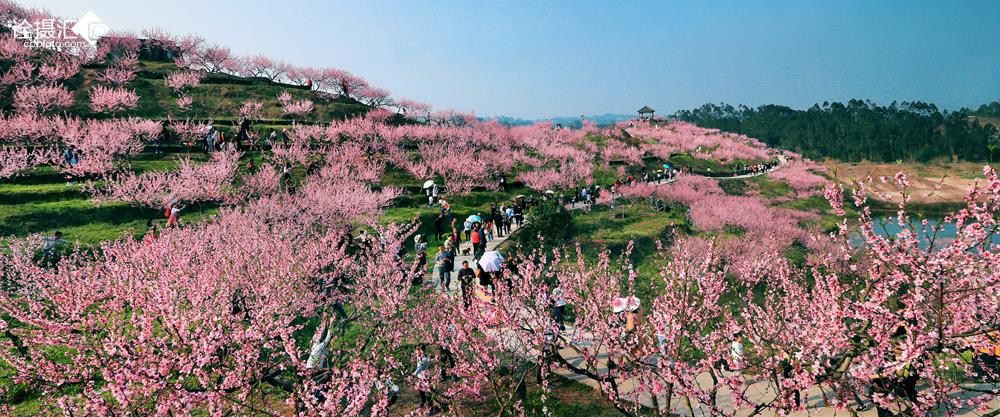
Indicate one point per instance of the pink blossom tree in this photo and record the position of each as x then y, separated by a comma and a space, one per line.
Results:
42, 98
251, 109
294, 108
112, 100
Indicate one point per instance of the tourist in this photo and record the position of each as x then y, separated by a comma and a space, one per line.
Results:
421, 247
151, 233
736, 353
422, 376
440, 269
465, 280
438, 226
476, 238
559, 307
788, 372
629, 314
50, 246
272, 138
485, 279
208, 142
456, 238
69, 157
320, 342
467, 227
174, 220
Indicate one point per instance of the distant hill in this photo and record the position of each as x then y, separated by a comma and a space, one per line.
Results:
988, 113
860, 130
572, 122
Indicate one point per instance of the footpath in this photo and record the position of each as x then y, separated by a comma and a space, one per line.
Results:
758, 391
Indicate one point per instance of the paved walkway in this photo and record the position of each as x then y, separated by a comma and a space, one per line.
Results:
757, 391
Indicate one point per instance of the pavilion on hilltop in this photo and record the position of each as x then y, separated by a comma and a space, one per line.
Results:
646, 113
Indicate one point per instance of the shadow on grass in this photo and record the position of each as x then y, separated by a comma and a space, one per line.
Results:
49, 218
16, 198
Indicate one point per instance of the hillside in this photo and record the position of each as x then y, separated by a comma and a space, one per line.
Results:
218, 97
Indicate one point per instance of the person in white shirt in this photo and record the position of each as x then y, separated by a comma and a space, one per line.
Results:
736, 353
559, 307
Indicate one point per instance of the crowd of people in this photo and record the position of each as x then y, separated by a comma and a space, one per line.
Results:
214, 139
478, 229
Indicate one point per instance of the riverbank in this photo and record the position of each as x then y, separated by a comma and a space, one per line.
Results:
936, 187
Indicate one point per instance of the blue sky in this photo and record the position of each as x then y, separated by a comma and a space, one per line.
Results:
562, 58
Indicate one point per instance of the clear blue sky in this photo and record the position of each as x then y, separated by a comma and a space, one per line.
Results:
564, 58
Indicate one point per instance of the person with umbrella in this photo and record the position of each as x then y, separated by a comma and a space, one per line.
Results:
489, 263
485, 279
429, 188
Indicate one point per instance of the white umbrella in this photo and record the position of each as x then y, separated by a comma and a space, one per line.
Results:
550, 192
428, 184
491, 261
474, 219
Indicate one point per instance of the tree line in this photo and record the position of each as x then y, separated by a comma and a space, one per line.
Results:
860, 129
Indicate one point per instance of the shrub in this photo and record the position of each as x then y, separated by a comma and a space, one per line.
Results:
549, 222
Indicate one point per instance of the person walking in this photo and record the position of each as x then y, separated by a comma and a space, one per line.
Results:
418, 277
438, 226
444, 262
174, 218
467, 227
422, 378
465, 280
482, 241
210, 140
485, 279
456, 238
477, 241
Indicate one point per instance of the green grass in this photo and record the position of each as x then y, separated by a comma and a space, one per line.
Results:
41, 202
771, 188
599, 229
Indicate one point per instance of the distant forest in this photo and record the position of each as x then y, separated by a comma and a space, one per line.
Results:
862, 130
